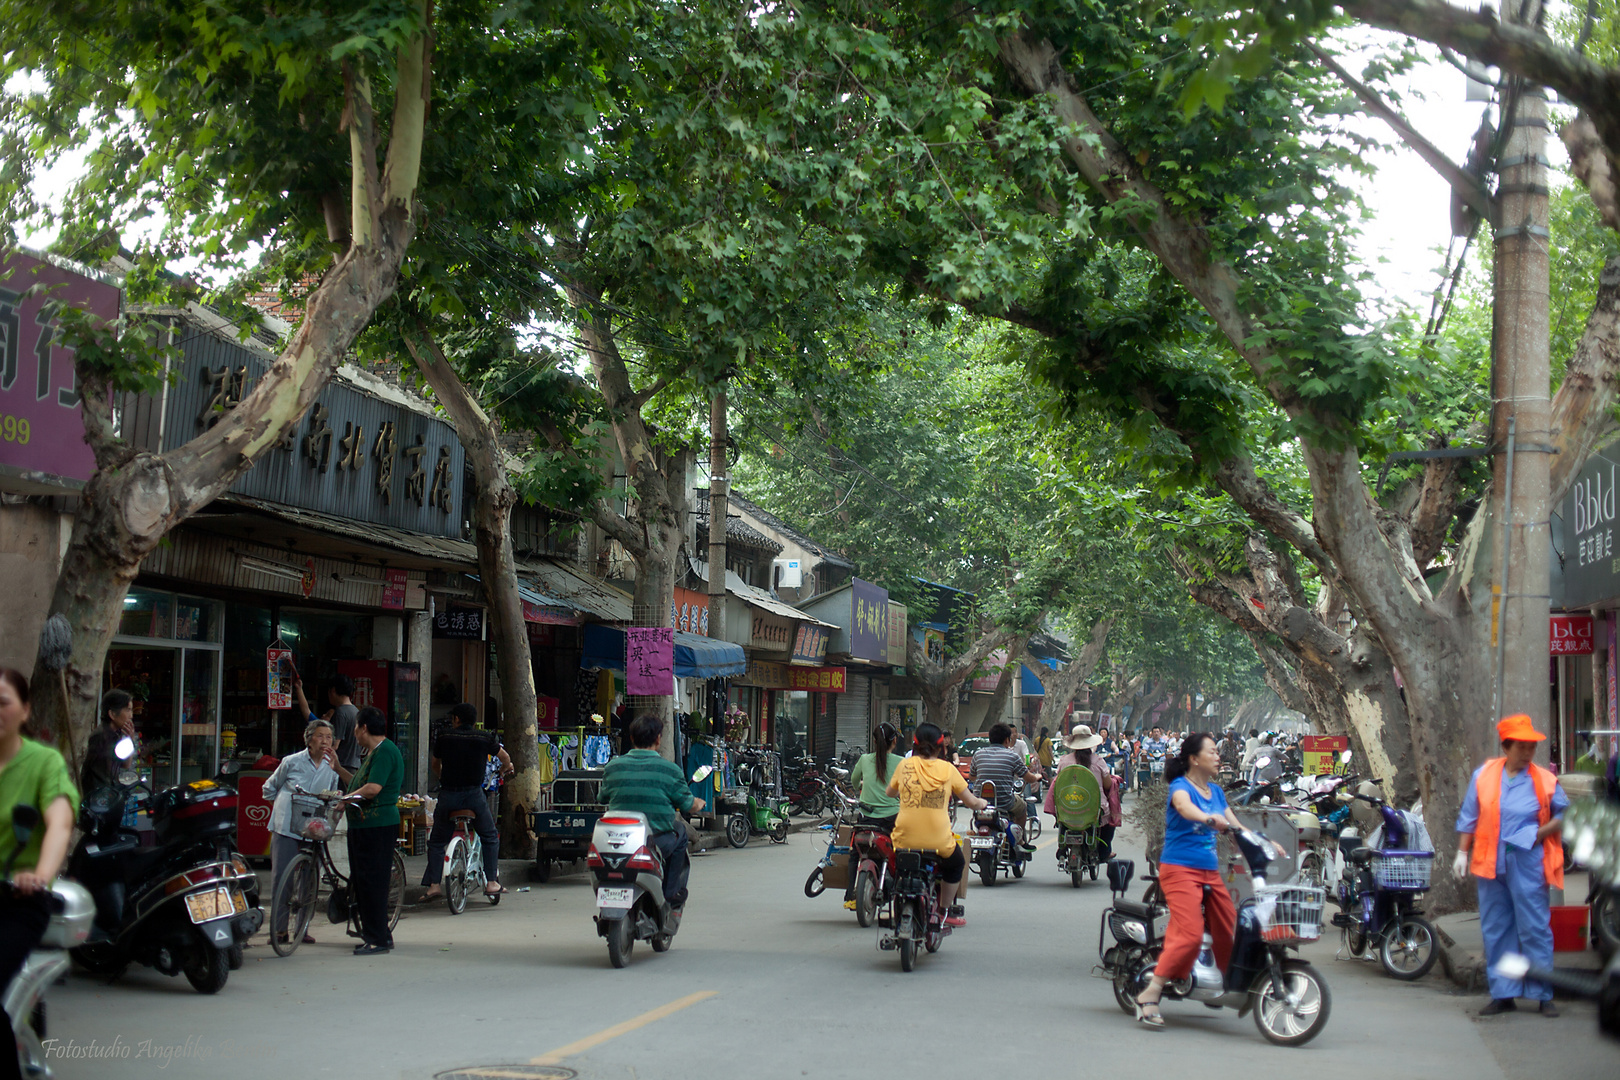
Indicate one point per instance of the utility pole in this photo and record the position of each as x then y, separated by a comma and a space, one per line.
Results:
1521, 410
718, 483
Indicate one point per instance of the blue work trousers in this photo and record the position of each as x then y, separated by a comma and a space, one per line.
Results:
470, 798
1515, 916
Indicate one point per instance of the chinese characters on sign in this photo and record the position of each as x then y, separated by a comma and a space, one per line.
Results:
460, 624
649, 660
1570, 635
278, 678
1591, 563
41, 427
1320, 754
769, 633
689, 612
869, 621
774, 676
897, 633
809, 645
393, 594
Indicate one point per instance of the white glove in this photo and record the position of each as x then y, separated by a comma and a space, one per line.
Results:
1459, 866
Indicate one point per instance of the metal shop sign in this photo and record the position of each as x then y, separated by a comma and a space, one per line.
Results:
1570, 635
774, 676
1591, 564
869, 621
41, 426
689, 611
897, 633
354, 454
809, 645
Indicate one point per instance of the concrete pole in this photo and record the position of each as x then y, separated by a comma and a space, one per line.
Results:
717, 514
1520, 392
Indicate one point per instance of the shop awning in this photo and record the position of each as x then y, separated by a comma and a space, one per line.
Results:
1031, 686
577, 589
696, 657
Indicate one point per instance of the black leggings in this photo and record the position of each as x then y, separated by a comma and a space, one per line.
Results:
950, 869
22, 923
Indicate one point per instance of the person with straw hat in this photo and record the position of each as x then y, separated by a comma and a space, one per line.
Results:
1508, 840
1082, 744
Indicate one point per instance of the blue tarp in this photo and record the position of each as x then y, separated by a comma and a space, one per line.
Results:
696, 656
1031, 686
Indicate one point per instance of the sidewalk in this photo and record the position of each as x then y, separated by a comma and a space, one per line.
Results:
1462, 946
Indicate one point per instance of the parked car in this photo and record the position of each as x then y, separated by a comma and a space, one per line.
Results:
969, 746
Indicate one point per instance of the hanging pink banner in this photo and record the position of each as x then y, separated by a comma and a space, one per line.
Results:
649, 661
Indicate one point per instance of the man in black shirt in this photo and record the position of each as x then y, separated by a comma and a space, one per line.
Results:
459, 757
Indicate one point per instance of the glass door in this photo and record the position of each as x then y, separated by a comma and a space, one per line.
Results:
199, 718
151, 678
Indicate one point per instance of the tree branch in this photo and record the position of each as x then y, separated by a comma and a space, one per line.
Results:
1583, 409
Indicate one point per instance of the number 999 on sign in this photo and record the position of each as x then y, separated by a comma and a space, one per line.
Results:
14, 429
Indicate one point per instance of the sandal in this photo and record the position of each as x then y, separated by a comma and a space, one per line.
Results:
496, 891
1154, 1019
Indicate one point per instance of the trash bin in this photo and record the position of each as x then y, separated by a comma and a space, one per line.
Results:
252, 814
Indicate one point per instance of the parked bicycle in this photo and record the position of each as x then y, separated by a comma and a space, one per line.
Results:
312, 870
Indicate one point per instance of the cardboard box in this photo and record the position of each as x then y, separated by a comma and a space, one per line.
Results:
835, 874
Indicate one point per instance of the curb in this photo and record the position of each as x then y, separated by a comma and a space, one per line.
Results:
1464, 967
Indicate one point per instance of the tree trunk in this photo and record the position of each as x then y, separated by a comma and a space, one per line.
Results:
1061, 686
938, 684
1004, 681
497, 567
134, 498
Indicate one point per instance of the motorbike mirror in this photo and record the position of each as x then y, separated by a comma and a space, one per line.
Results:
1346, 756
127, 777
124, 749
1512, 966
703, 772
1287, 785
23, 819
1261, 763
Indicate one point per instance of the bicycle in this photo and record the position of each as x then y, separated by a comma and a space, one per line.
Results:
464, 859
296, 901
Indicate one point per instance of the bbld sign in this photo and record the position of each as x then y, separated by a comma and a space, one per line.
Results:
1570, 635
1591, 565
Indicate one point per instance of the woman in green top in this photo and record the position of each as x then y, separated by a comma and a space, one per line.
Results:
870, 778
373, 826
31, 774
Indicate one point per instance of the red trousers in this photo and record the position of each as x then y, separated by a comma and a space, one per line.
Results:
1184, 893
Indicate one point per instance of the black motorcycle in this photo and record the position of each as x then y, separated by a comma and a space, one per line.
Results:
1288, 997
187, 904
913, 916
996, 843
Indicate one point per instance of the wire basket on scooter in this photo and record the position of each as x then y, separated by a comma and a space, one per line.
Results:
1289, 913
1403, 871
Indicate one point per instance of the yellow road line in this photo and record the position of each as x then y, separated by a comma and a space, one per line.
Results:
590, 1042
1044, 844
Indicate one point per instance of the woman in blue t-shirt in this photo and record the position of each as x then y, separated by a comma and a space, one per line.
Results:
1193, 816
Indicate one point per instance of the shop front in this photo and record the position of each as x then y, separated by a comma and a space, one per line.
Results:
1582, 631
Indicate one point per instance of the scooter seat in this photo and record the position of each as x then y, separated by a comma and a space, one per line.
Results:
1137, 910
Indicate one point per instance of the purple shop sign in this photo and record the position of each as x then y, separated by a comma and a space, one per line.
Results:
869, 621
649, 661
41, 428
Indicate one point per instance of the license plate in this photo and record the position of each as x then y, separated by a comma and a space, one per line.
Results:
615, 898
983, 841
215, 903
562, 824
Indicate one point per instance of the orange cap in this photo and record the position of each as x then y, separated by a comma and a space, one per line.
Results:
1517, 728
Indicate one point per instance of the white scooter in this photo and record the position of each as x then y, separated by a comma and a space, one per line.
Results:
73, 911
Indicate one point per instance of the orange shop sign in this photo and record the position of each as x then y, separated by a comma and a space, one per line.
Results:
1570, 635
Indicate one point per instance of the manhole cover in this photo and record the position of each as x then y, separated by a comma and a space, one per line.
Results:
508, 1072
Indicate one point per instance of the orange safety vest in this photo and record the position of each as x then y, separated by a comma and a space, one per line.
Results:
1488, 832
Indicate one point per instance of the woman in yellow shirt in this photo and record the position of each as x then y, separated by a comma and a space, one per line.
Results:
925, 783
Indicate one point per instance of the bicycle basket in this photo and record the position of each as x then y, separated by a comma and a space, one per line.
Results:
311, 817
1403, 871
1289, 913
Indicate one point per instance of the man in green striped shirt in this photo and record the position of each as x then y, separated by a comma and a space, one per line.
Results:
643, 781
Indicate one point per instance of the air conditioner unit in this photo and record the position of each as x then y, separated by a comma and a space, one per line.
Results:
788, 574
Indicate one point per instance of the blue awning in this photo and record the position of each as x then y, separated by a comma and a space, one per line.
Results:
696, 656
1030, 686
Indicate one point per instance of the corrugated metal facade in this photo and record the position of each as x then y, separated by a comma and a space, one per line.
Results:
202, 559
353, 455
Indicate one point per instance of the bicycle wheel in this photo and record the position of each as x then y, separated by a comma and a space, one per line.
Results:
455, 878
396, 890
294, 903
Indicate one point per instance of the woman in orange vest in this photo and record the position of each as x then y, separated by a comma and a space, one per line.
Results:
1508, 838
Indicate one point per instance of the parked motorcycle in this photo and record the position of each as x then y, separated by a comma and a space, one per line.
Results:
628, 872
1380, 897
1289, 998
72, 911
996, 843
760, 812
188, 903
913, 917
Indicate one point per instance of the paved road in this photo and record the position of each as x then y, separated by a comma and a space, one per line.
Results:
764, 983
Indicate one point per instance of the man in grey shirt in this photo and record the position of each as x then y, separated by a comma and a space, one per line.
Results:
1000, 764
344, 719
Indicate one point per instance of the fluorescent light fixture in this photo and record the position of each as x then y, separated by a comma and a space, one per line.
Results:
272, 569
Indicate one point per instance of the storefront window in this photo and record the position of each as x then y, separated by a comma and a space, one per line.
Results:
199, 719
246, 730
196, 620
793, 722
147, 614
